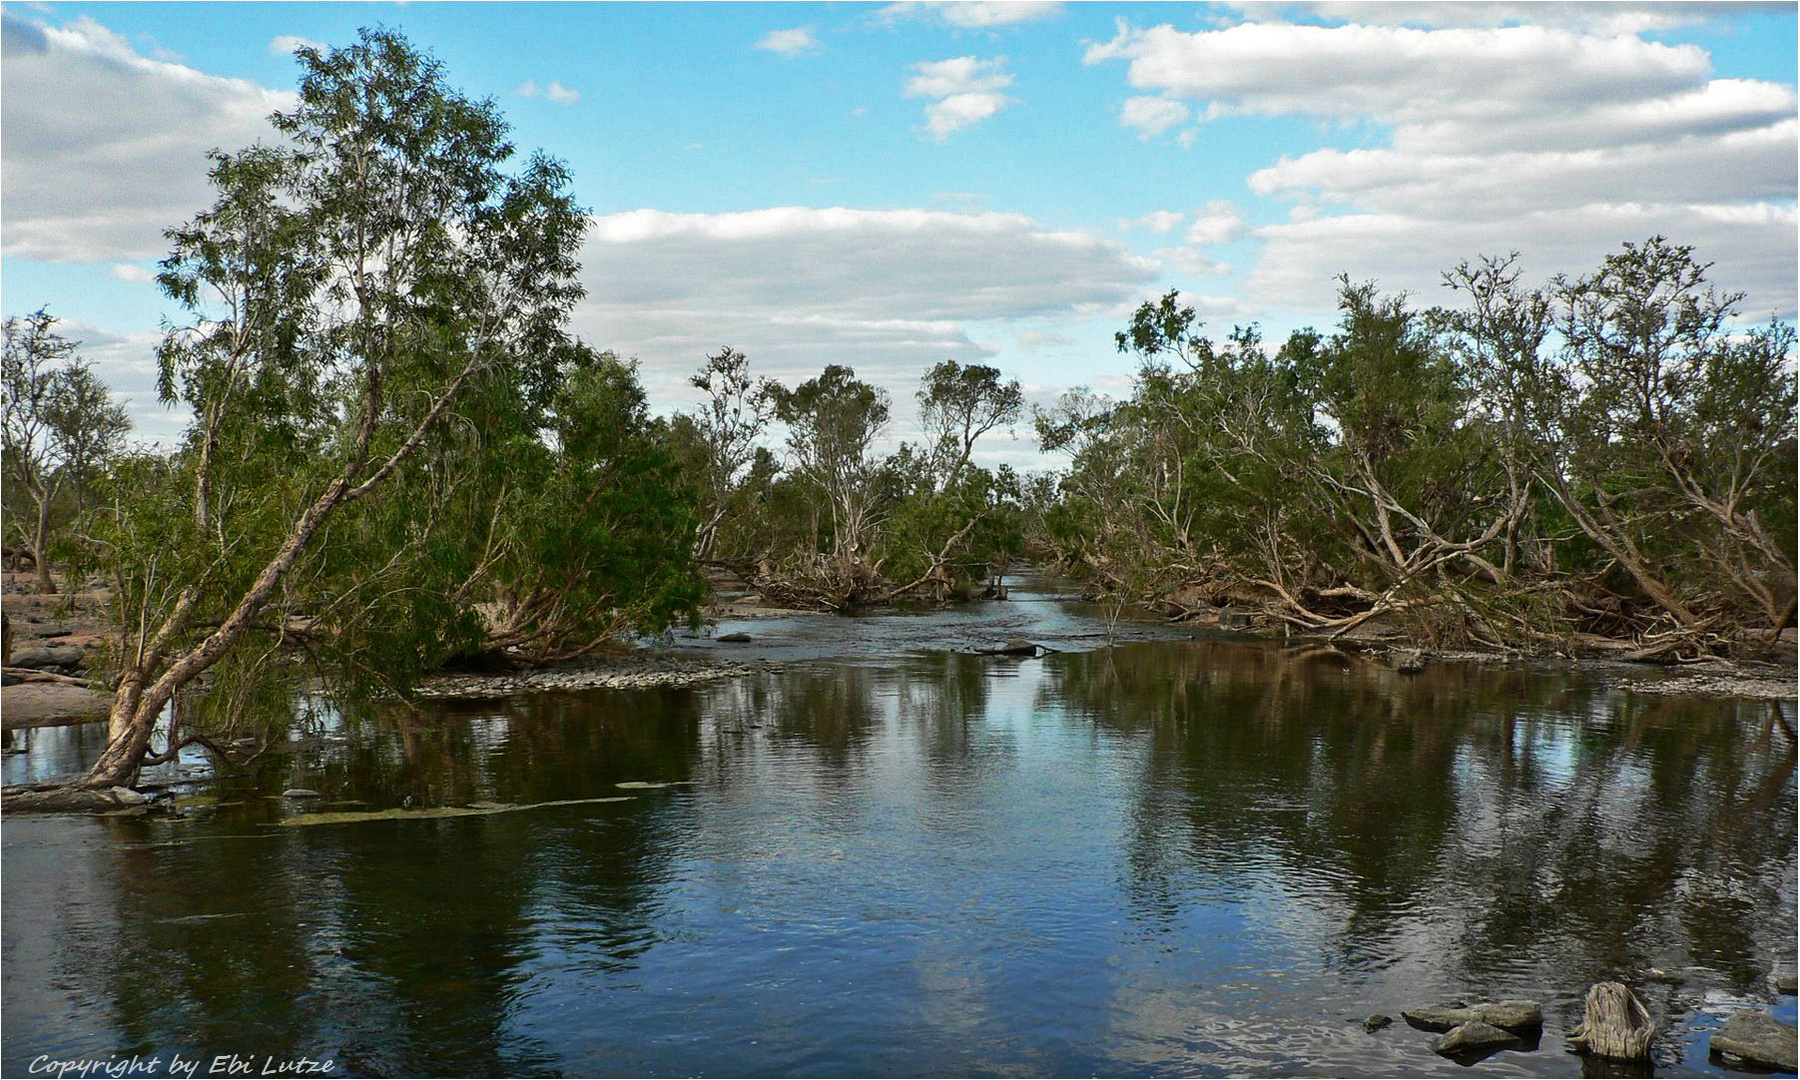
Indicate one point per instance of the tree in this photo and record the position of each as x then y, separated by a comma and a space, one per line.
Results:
1695, 421
348, 289
736, 412
833, 421
958, 405
60, 424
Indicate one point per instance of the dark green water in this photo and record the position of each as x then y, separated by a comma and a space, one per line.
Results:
1170, 857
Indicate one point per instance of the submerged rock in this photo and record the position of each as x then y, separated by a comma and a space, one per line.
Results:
733, 639
1376, 1022
1758, 1039
1513, 1015
1473, 1037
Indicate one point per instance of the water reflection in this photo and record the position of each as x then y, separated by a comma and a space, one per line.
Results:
1169, 857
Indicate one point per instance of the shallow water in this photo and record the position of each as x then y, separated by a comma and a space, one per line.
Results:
1172, 856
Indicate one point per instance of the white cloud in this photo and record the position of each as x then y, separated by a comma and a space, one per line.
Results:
1042, 339
1752, 247
1191, 263
288, 44
1542, 139
1152, 115
1619, 17
1157, 221
968, 90
555, 92
105, 148
131, 272
1218, 222
795, 42
888, 292
973, 14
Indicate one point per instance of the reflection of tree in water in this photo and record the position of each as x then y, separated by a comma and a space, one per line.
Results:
1518, 825
405, 946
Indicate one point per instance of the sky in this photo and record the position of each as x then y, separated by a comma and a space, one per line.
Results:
888, 186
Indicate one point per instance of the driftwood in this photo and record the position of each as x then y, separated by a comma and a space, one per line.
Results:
1616, 1024
26, 675
41, 798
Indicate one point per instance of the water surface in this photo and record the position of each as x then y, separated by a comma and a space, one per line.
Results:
1173, 856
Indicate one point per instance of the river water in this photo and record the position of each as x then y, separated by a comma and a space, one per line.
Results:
883, 856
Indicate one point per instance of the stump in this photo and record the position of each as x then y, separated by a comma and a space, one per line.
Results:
1616, 1024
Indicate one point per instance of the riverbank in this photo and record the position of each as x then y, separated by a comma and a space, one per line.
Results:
63, 635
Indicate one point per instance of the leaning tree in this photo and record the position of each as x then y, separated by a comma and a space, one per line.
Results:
355, 282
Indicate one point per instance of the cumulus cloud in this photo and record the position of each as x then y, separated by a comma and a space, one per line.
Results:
973, 14
795, 42
1539, 138
1152, 115
1218, 222
1752, 247
888, 292
968, 90
288, 44
105, 148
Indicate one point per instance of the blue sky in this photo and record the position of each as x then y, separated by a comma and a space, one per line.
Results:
891, 185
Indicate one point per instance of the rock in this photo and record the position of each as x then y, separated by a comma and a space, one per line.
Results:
299, 793
1409, 661
1474, 1036
1513, 1015
1786, 984
1659, 975
38, 657
1376, 1022
128, 797
1614, 1025
1758, 1039
733, 639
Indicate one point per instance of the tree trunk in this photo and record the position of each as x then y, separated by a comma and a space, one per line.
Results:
1616, 1024
40, 540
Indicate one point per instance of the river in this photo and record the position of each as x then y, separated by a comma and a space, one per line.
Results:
881, 855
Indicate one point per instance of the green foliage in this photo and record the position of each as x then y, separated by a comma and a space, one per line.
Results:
1607, 456
59, 429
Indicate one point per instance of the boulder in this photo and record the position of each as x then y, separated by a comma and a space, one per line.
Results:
1786, 984
1376, 1022
1758, 1039
733, 639
1512, 1015
1474, 1037
38, 657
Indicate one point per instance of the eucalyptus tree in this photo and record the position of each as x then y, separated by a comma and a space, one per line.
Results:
59, 422
959, 404
353, 284
833, 421
1682, 434
726, 427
